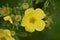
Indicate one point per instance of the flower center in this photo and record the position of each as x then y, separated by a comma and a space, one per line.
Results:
2, 38
32, 20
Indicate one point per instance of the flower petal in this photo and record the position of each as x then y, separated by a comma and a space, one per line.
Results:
30, 28
7, 32
9, 38
29, 11
40, 13
5, 35
40, 25
8, 18
24, 21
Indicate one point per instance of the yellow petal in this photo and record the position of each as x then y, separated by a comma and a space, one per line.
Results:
40, 25
8, 32
29, 11
26, 23
25, 20
30, 28
11, 21
40, 13
8, 18
5, 35
9, 38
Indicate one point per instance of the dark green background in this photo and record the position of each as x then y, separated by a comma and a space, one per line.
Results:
47, 34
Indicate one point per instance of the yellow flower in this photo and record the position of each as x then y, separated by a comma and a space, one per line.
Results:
32, 20
5, 11
5, 35
8, 18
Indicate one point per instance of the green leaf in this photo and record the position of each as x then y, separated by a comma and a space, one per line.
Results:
37, 1
46, 4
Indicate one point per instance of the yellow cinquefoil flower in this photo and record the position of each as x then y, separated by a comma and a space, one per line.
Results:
5, 11
8, 18
32, 20
5, 35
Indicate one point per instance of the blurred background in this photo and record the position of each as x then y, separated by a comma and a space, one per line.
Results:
50, 33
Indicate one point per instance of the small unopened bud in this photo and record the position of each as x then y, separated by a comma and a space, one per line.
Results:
25, 5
